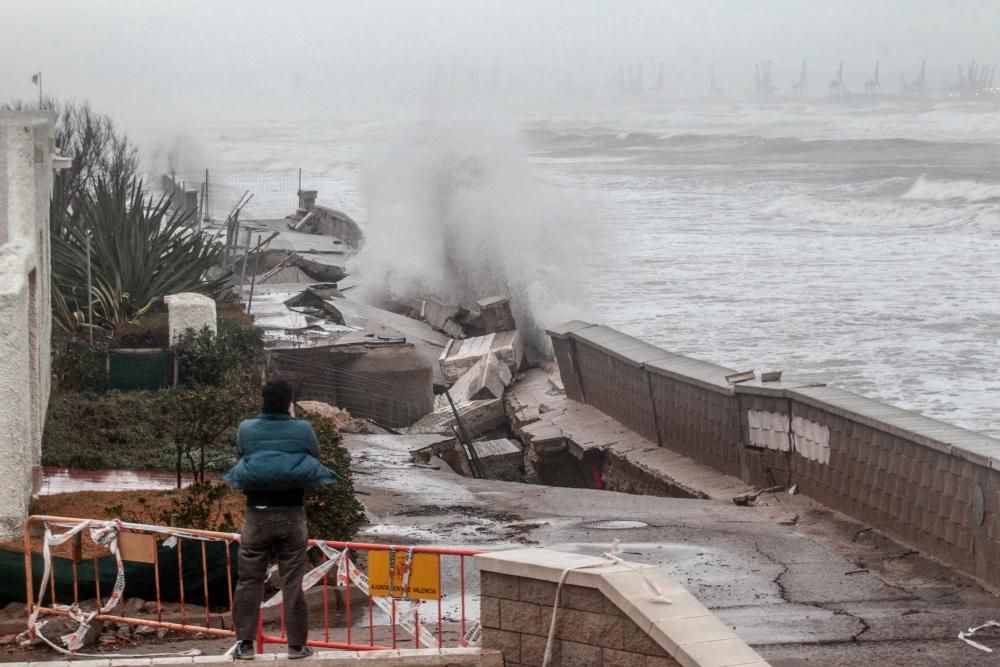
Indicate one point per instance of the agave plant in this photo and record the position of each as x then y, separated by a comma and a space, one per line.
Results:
140, 252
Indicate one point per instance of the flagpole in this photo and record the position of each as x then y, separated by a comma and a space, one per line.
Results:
40, 90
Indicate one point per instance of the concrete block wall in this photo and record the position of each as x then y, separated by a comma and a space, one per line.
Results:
696, 419
612, 374
26, 149
928, 484
604, 617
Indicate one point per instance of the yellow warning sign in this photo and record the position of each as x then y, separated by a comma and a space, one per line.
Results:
422, 583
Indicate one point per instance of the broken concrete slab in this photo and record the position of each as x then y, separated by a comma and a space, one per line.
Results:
477, 416
495, 314
313, 302
391, 325
500, 459
461, 355
546, 420
488, 378
439, 315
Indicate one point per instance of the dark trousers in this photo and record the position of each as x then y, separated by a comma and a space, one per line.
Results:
280, 531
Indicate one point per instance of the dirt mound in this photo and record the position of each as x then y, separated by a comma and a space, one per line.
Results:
342, 419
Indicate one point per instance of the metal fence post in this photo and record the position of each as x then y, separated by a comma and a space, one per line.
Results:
90, 296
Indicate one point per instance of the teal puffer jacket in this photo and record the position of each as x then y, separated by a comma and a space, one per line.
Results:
278, 452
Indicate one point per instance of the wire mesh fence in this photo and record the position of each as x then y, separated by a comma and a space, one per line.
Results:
366, 395
275, 191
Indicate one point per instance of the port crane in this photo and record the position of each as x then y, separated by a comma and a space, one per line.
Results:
976, 80
801, 87
917, 87
763, 86
873, 86
836, 86
714, 90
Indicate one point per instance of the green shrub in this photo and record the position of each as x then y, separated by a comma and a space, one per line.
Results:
150, 330
186, 428
112, 430
189, 428
202, 419
333, 512
204, 358
76, 366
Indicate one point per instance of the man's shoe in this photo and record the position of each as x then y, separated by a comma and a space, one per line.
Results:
244, 651
296, 652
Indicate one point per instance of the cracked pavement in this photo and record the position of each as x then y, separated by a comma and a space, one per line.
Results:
800, 583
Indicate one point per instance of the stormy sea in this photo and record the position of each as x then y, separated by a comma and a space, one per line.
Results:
848, 244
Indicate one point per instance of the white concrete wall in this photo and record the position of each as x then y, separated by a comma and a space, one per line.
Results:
26, 148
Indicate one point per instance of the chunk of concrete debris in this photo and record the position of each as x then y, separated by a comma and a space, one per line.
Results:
459, 356
487, 378
477, 416
500, 459
442, 316
313, 302
495, 314
187, 310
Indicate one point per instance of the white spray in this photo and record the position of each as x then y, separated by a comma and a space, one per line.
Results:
456, 212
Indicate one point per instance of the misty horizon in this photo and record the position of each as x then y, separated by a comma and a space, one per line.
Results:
157, 64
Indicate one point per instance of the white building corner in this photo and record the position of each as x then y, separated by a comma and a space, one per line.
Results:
27, 144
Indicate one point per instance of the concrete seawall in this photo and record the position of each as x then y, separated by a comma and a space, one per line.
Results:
332, 222
926, 483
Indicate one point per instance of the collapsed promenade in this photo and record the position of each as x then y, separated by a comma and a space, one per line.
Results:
820, 526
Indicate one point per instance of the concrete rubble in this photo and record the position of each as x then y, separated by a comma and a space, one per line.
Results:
379, 365
478, 417
460, 355
500, 459
488, 378
583, 447
442, 317
486, 316
383, 365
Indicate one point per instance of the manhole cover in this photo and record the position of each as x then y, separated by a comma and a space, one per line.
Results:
613, 524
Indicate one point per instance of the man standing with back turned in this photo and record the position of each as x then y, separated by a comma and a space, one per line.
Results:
279, 460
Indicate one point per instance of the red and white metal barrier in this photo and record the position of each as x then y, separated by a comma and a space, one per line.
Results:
405, 588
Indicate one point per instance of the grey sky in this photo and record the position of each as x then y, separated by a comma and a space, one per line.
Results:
192, 59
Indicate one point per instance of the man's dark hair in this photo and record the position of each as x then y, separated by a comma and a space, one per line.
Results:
277, 396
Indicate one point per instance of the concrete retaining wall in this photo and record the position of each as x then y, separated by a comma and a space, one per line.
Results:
926, 483
605, 615
26, 148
